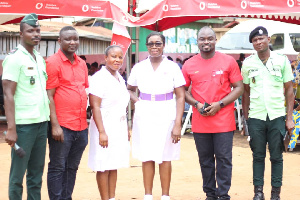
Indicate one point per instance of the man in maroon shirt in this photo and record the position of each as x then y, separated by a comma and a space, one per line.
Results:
67, 80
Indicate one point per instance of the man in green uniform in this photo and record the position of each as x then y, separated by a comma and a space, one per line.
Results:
27, 110
267, 78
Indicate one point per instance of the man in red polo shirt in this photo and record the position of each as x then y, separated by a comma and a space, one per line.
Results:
211, 75
67, 80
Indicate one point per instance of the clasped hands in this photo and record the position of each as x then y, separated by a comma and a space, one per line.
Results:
210, 110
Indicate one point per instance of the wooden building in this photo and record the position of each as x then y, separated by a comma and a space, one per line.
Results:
93, 40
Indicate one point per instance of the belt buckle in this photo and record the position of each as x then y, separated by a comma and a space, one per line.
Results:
152, 97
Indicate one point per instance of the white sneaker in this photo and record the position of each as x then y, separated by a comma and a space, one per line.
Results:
164, 197
148, 197
111, 199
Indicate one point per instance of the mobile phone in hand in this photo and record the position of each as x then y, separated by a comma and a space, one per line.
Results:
202, 110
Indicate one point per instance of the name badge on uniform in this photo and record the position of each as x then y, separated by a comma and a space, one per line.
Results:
253, 73
30, 68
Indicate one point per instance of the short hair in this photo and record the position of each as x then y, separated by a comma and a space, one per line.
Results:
206, 27
111, 47
242, 56
158, 34
178, 60
94, 64
66, 28
83, 57
170, 58
22, 26
88, 65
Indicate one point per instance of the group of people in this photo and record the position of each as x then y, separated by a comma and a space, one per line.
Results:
45, 100
296, 112
92, 68
36, 92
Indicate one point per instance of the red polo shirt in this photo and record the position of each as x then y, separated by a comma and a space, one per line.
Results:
70, 81
210, 80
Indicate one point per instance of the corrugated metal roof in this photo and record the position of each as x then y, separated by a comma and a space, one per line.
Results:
51, 29
9, 28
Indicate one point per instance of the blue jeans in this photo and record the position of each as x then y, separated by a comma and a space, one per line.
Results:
64, 161
217, 147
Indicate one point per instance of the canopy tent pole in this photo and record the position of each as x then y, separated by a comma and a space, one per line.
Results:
128, 65
137, 42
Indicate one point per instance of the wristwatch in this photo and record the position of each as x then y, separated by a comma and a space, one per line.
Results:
196, 103
221, 104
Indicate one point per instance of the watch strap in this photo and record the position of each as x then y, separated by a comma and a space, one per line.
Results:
221, 104
196, 103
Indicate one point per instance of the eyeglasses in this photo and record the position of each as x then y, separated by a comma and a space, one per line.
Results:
157, 44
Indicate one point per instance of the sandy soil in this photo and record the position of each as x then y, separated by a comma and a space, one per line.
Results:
186, 180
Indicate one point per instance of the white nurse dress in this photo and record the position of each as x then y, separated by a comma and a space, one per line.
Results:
154, 120
115, 98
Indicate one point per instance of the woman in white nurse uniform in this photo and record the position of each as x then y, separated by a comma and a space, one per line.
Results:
109, 146
157, 117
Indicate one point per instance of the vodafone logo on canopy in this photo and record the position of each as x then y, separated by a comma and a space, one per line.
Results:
124, 18
243, 4
39, 6
165, 8
290, 3
202, 5
85, 8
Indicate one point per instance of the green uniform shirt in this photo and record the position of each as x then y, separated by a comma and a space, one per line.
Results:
31, 100
266, 85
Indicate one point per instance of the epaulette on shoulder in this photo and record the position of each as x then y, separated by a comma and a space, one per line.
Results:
13, 51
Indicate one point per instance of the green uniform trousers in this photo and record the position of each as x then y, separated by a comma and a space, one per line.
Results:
261, 133
32, 138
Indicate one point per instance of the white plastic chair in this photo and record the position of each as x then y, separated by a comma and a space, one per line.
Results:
187, 122
238, 116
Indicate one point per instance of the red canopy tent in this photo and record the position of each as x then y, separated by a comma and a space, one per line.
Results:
166, 14
170, 13
13, 11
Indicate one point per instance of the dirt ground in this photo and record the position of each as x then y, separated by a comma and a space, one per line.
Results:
186, 178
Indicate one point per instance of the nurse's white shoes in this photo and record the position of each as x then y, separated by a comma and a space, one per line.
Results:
148, 197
